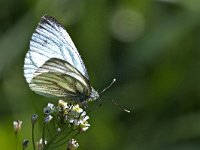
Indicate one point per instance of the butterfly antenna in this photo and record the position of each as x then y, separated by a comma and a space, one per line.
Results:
126, 110
108, 86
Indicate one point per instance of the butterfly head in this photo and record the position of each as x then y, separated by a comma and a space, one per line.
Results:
94, 95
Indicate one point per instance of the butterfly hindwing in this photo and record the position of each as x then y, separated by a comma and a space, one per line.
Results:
57, 78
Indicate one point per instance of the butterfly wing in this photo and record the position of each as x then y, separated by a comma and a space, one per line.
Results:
50, 40
58, 78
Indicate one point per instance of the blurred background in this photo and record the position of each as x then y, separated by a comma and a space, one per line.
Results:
152, 48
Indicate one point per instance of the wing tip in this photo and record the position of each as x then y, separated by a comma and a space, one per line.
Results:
46, 18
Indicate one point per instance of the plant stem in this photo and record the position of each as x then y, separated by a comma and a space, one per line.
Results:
58, 145
61, 139
52, 140
33, 136
16, 139
43, 135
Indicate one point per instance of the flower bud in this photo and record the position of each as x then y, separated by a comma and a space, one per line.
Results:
34, 119
72, 144
25, 143
17, 126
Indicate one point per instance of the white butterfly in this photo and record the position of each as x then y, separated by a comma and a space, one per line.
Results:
53, 66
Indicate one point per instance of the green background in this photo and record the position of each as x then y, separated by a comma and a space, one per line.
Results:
152, 48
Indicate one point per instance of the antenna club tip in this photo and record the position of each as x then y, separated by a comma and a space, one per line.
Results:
114, 80
128, 111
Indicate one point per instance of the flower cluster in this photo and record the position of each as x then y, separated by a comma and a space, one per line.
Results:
72, 115
62, 122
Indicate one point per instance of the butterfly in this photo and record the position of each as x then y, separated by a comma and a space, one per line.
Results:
53, 66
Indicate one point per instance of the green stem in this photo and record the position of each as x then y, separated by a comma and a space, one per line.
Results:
53, 139
43, 135
61, 139
49, 132
16, 139
58, 145
33, 137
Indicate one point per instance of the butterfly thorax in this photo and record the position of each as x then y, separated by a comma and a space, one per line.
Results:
82, 98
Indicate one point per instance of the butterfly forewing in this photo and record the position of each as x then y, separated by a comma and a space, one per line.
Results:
50, 40
57, 78
53, 66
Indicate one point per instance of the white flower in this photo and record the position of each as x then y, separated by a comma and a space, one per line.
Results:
84, 126
41, 141
83, 113
85, 118
40, 144
81, 122
49, 109
76, 122
17, 125
48, 118
74, 112
63, 104
77, 109
72, 144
